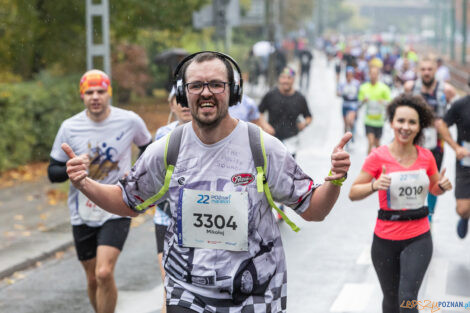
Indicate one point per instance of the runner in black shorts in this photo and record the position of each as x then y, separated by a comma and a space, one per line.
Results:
459, 114
103, 136
87, 239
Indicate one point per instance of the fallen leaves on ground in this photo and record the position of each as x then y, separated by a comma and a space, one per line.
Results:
137, 221
19, 227
18, 217
9, 234
59, 255
44, 216
19, 275
42, 228
25, 173
54, 196
9, 281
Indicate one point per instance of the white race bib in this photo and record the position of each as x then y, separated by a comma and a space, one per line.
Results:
430, 138
465, 161
408, 189
90, 212
213, 219
375, 109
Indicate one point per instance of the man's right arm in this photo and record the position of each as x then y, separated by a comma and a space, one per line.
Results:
107, 197
443, 128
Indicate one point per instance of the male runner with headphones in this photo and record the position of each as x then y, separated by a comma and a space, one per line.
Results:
223, 250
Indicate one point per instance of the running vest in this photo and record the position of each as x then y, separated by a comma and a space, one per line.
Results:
255, 135
437, 100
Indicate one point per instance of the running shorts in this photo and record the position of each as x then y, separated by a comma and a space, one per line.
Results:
337, 68
160, 231
377, 131
346, 110
462, 183
87, 239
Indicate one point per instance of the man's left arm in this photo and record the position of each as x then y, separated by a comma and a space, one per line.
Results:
306, 114
325, 196
261, 122
450, 93
142, 137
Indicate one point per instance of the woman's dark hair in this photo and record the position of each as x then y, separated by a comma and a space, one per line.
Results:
417, 103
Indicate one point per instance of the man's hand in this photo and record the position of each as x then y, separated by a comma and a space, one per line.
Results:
269, 129
384, 181
77, 166
340, 161
301, 126
461, 152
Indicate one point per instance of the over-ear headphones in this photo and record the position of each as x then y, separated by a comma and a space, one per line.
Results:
236, 89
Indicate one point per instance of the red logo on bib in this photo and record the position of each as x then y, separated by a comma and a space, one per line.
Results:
242, 179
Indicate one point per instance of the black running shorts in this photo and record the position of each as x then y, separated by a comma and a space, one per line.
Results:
87, 239
462, 183
377, 131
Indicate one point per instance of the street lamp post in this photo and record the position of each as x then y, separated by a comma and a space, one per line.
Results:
464, 32
452, 29
95, 49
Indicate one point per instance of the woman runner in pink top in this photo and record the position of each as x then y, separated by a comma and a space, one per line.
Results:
402, 172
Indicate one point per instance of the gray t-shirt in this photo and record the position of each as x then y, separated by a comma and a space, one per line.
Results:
211, 274
108, 144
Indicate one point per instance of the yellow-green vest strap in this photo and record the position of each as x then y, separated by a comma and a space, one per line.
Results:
144, 205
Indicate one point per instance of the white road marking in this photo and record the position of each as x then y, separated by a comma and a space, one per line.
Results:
140, 301
352, 298
437, 278
365, 257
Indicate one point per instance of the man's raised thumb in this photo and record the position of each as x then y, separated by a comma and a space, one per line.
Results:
68, 150
384, 170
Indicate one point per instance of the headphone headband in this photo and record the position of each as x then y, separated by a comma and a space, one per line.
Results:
236, 90
191, 56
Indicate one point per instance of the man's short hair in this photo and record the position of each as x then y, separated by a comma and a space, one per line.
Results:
429, 58
208, 56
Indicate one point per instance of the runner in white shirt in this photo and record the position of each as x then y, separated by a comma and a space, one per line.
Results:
230, 259
102, 135
161, 218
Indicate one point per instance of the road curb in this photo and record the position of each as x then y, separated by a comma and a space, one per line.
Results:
31, 261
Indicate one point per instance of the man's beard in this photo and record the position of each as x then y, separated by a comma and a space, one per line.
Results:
428, 83
211, 124
286, 89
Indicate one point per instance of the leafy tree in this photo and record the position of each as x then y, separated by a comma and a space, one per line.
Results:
39, 34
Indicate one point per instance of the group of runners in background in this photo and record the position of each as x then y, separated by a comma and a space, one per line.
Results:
413, 93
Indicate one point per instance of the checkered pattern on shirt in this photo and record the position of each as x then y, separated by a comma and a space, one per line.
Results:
273, 301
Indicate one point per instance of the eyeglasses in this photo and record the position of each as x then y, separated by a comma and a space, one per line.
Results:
196, 88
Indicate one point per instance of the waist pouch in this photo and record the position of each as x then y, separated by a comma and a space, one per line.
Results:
403, 215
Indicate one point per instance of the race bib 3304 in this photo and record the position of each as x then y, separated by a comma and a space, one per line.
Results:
213, 219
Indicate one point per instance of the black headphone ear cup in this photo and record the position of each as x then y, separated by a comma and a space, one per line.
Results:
181, 96
234, 94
